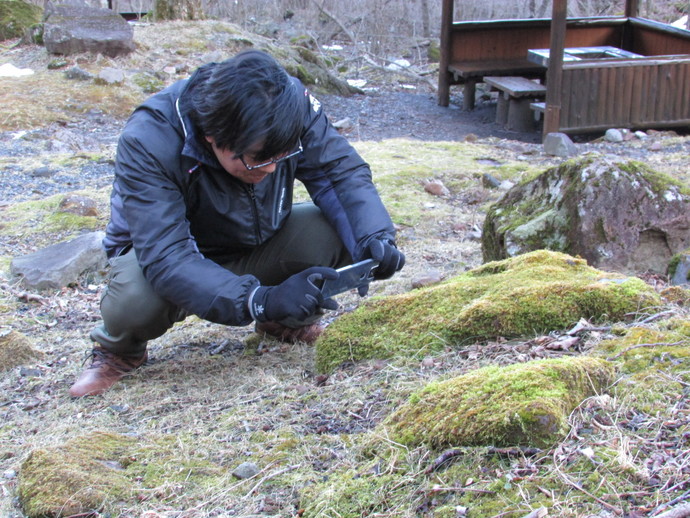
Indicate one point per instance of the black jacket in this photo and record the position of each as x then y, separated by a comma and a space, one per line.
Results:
184, 214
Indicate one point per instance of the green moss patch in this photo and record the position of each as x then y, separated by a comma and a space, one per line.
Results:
43, 219
523, 404
521, 296
16, 17
101, 471
83, 475
16, 349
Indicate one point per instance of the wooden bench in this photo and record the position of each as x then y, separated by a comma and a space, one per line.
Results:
516, 95
469, 73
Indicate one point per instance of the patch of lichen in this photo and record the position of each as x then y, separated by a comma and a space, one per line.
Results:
534, 293
103, 470
522, 404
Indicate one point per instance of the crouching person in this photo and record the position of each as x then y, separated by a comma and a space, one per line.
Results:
202, 217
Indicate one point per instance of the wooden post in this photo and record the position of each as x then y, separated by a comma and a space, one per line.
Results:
554, 73
632, 8
443, 73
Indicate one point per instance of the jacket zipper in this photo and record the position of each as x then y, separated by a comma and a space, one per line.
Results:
255, 211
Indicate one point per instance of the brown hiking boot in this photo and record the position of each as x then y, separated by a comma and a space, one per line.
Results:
106, 369
307, 334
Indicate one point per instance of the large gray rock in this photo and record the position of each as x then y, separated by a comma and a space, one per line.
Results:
72, 29
618, 215
61, 264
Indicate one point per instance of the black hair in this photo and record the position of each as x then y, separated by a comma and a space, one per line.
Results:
246, 100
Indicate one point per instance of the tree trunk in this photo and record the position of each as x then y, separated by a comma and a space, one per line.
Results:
426, 21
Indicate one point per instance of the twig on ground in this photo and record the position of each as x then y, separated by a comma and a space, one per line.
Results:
537, 513
442, 459
24, 295
577, 486
441, 489
679, 512
656, 316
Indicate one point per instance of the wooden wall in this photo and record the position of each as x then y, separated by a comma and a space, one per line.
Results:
656, 39
634, 94
510, 39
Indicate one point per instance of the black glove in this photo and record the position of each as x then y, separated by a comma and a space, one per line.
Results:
390, 260
296, 298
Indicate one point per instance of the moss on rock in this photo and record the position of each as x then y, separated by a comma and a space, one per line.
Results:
16, 349
533, 293
523, 404
83, 475
103, 471
17, 17
568, 209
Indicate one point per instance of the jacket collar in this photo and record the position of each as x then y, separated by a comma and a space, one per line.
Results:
193, 147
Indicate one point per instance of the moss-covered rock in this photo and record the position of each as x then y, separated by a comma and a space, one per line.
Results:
17, 17
83, 475
523, 404
16, 349
105, 471
533, 293
617, 214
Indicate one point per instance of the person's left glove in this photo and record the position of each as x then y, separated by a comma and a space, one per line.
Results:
390, 260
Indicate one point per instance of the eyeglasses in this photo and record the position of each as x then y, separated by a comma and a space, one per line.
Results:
272, 160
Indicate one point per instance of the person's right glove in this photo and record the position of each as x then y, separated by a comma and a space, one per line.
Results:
296, 298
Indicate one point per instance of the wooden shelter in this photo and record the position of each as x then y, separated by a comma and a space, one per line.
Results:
599, 72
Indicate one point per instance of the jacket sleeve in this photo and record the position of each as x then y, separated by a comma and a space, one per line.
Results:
340, 183
155, 211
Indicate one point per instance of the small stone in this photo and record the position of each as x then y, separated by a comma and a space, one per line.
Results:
490, 181
79, 205
344, 124
56, 64
77, 73
559, 144
436, 188
110, 76
641, 135
42, 172
655, 146
431, 277
27, 372
246, 470
614, 135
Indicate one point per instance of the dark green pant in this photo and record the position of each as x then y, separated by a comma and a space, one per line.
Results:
133, 313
